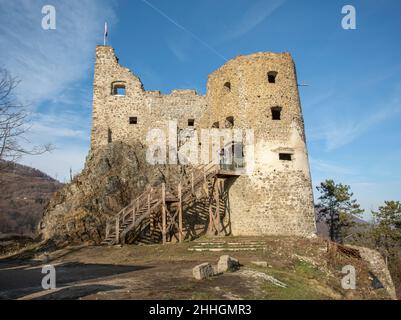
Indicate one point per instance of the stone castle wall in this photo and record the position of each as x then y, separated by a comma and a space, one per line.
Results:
277, 197
152, 109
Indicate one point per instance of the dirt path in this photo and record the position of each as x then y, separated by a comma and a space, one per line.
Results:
165, 272
113, 273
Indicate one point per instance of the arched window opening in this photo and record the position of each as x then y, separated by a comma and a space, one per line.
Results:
229, 123
227, 86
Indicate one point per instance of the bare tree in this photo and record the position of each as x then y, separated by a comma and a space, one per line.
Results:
14, 123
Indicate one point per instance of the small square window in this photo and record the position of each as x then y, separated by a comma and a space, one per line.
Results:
276, 113
285, 156
271, 76
133, 120
191, 122
120, 91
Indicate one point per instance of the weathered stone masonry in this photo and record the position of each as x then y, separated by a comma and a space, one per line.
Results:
258, 92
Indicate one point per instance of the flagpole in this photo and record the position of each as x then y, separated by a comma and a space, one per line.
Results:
105, 33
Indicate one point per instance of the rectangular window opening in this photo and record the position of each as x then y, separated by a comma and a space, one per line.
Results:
271, 79
285, 156
276, 113
133, 120
191, 122
118, 89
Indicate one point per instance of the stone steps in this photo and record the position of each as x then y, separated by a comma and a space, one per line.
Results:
219, 246
225, 249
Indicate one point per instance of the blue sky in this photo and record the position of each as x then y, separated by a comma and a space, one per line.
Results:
352, 106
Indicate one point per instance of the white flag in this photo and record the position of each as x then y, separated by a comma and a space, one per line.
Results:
105, 33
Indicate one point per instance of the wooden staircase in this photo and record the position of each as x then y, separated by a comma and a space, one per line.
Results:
157, 212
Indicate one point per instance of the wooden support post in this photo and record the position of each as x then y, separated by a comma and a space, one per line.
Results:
107, 228
133, 215
117, 229
180, 235
164, 212
149, 204
211, 217
149, 213
217, 199
192, 182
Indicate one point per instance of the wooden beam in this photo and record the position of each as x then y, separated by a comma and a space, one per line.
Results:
164, 212
180, 235
117, 229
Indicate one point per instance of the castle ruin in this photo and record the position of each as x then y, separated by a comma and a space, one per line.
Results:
258, 92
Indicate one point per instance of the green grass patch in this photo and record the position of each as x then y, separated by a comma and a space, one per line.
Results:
298, 281
203, 296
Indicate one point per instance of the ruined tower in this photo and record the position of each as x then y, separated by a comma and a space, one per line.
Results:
258, 92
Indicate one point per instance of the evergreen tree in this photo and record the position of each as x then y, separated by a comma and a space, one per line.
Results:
337, 208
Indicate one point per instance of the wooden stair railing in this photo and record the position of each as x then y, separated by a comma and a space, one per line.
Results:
150, 208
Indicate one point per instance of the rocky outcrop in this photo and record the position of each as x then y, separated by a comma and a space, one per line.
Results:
113, 175
378, 269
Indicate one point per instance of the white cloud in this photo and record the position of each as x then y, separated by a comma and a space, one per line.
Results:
48, 61
54, 67
328, 167
179, 46
69, 136
256, 14
57, 163
337, 133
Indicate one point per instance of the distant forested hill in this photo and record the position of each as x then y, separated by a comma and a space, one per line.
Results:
24, 191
